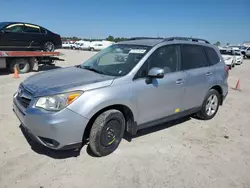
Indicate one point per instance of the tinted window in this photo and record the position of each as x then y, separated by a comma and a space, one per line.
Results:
43, 30
226, 52
15, 28
212, 56
166, 57
193, 56
32, 29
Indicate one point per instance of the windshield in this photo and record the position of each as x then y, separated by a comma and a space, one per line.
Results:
226, 52
116, 60
243, 47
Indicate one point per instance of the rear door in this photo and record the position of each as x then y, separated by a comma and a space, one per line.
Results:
13, 37
195, 64
34, 36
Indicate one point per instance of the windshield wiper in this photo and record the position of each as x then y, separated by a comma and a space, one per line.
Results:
92, 69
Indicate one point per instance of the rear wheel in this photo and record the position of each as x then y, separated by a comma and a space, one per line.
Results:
22, 65
107, 132
49, 46
210, 105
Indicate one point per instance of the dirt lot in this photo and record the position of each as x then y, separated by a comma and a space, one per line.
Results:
189, 153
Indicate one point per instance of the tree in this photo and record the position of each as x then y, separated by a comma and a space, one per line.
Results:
217, 43
110, 38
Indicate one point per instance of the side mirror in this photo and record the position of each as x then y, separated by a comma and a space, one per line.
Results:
156, 72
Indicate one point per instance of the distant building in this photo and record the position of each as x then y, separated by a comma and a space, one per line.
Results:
247, 43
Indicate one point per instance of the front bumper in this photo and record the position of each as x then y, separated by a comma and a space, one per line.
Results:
228, 62
56, 130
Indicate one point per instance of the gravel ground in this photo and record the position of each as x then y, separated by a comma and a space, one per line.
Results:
188, 153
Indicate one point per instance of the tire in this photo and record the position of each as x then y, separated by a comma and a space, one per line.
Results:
49, 46
22, 65
204, 114
92, 49
107, 132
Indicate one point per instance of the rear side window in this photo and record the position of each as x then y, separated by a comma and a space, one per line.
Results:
193, 56
212, 56
43, 30
32, 28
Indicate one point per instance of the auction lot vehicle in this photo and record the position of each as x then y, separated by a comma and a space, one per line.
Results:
247, 52
26, 61
84, 45
67, 44
161, 79
229, 57
99, 45
239, 57
25, 36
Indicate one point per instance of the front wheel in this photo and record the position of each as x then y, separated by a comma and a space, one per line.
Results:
210, 105
107, 132
49, 46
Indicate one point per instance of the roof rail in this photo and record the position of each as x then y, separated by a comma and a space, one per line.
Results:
141, 38
187, 39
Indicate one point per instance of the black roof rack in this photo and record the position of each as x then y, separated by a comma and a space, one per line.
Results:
141, 38
171, 39
187, 39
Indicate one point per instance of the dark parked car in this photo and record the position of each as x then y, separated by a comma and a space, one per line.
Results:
26, 36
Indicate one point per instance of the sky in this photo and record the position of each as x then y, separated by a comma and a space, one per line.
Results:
227, 21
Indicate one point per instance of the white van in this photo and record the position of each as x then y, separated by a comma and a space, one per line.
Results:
99, 45
83, 45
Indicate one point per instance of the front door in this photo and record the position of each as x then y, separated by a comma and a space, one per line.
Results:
162, 97
196, 66
13, 37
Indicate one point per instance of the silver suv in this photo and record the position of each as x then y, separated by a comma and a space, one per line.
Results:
126, 87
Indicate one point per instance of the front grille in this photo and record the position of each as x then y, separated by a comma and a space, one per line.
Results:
23, 101
23, 96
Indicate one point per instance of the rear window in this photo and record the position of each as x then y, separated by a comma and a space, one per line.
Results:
212, 56
193, 56
32, 28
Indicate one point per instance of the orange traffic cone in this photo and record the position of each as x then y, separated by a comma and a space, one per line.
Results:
237, 87
16, 73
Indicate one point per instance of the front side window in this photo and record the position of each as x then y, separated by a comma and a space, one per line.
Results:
166, 57
212, 56
116, 60
15, 28
193, 56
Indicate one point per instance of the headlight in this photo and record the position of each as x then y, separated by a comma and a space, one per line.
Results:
57, 102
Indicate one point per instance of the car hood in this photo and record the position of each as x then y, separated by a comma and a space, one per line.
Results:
64, 80
226, 56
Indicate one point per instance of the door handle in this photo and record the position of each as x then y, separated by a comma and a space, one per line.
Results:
209, 73
179, 81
